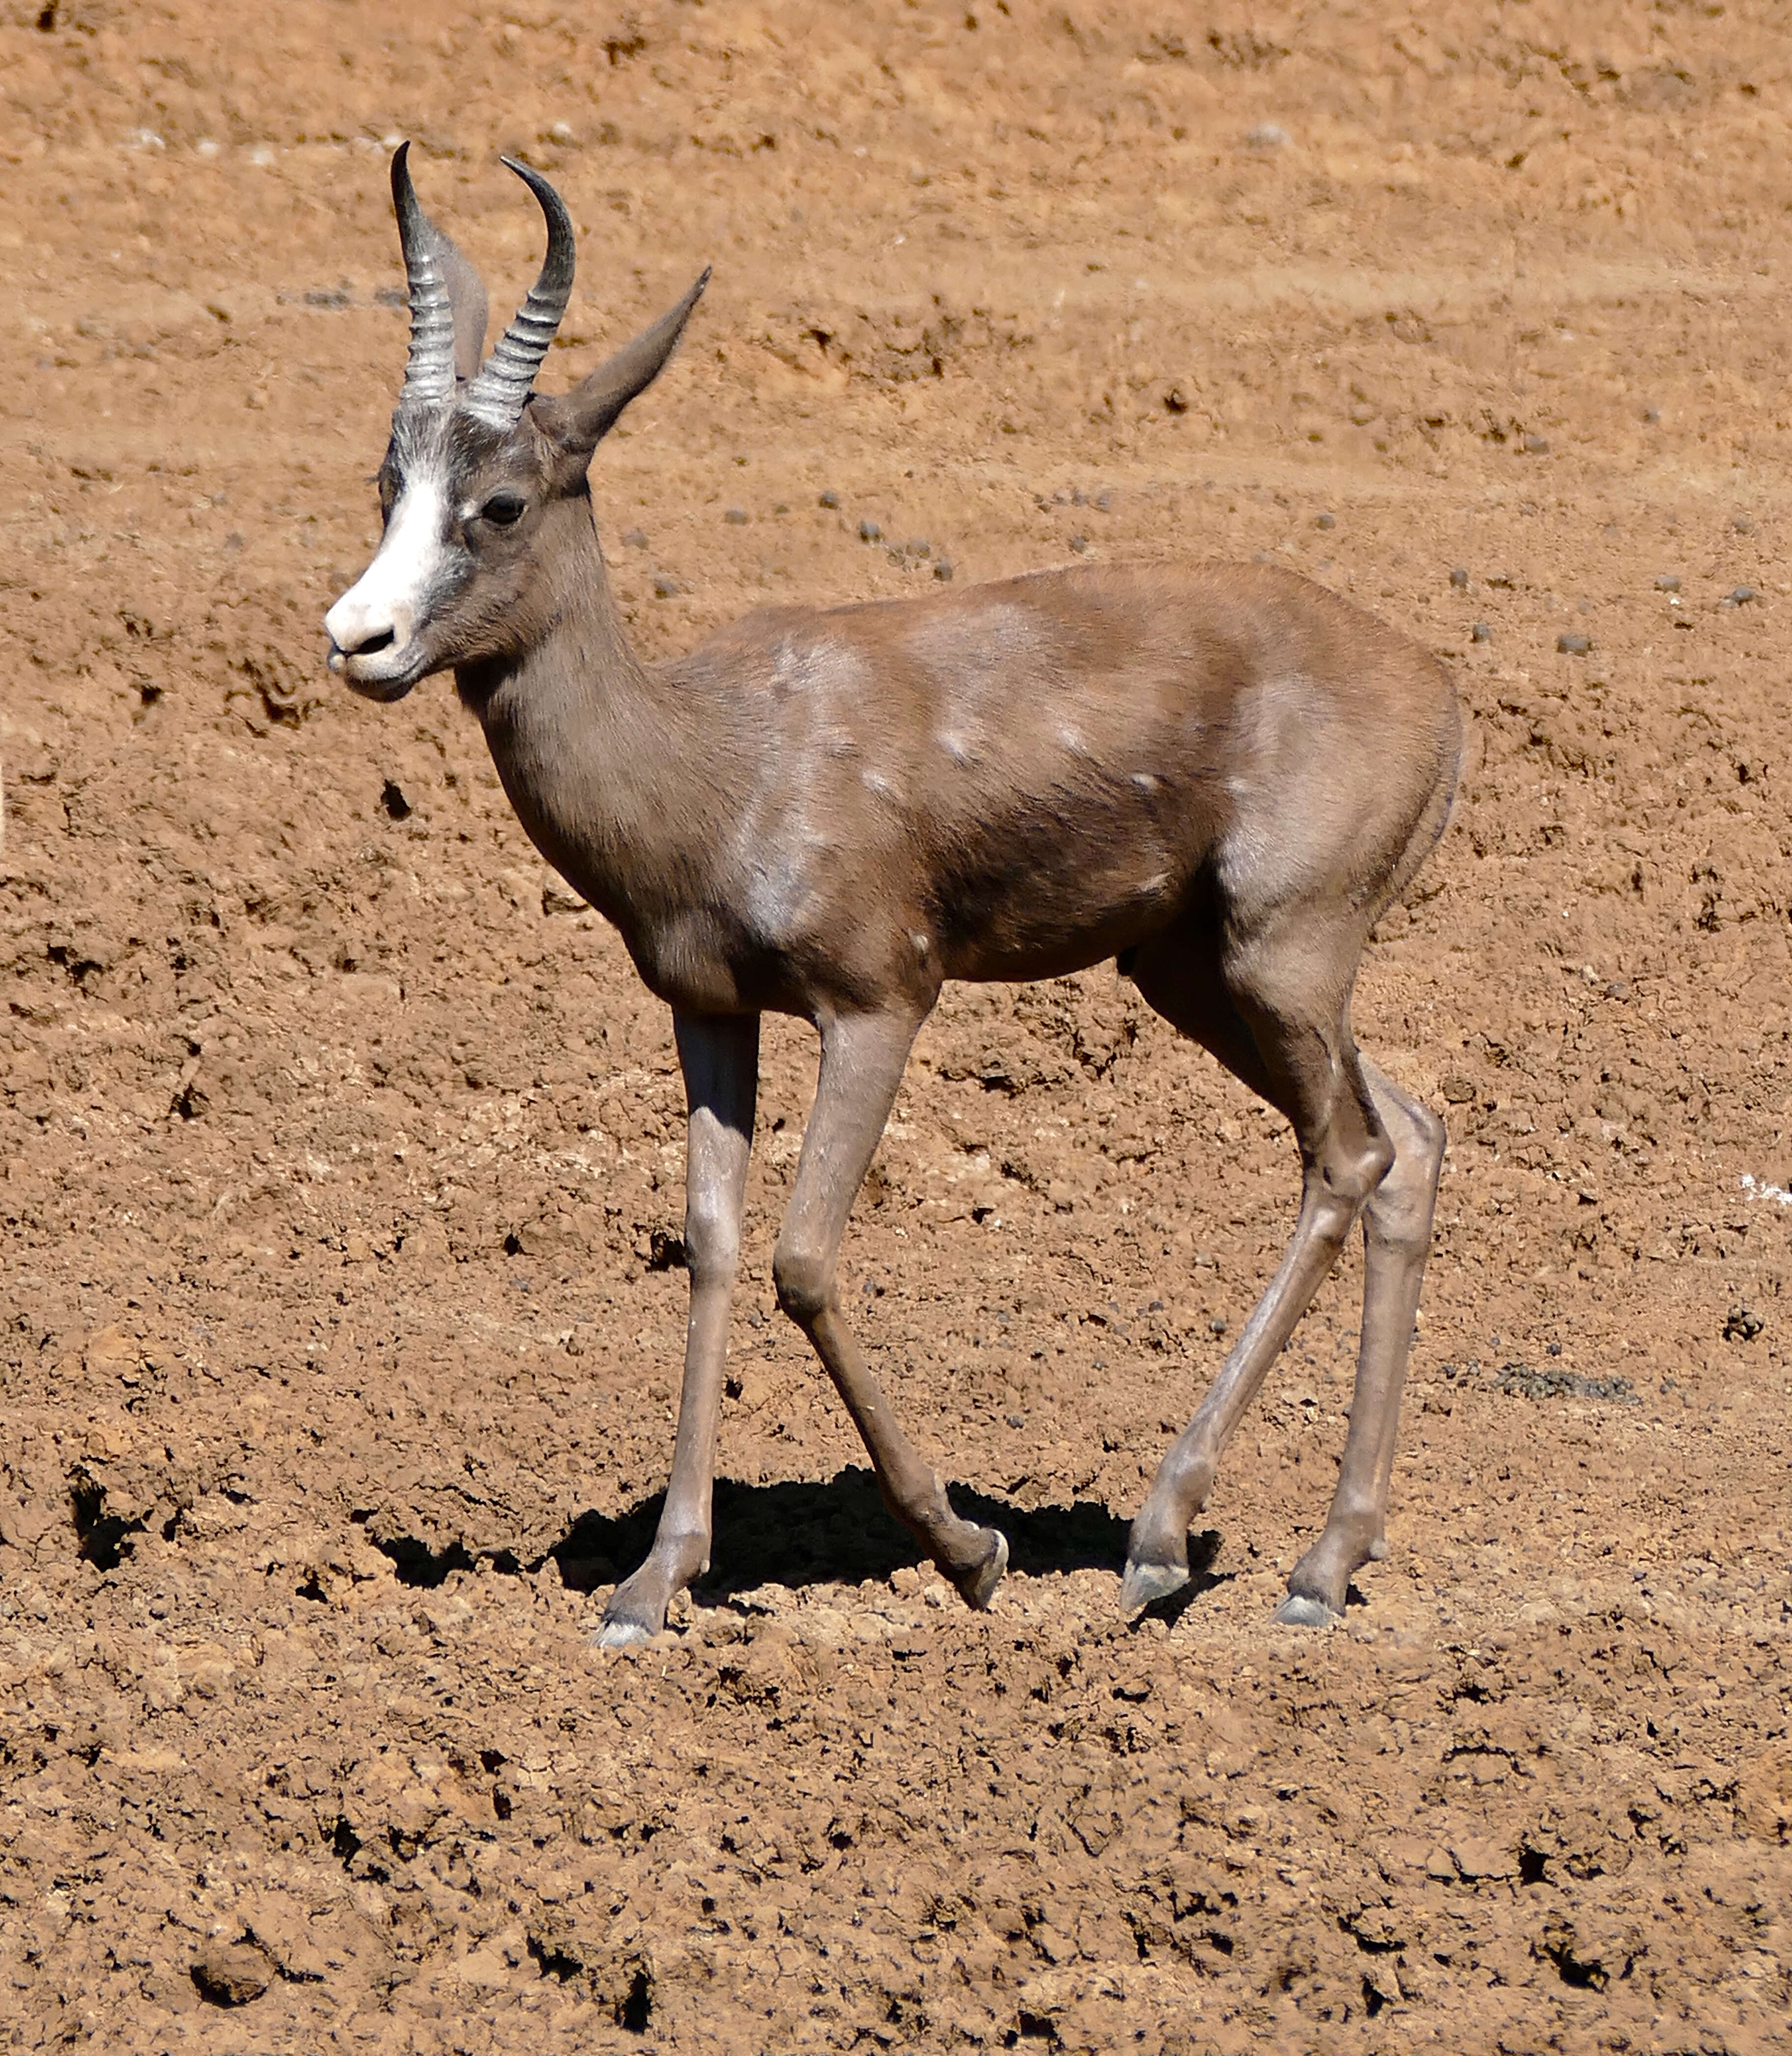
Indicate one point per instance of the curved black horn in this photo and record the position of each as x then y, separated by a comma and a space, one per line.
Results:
501, 389
430, 372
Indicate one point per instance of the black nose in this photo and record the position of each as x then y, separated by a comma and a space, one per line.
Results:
371, 645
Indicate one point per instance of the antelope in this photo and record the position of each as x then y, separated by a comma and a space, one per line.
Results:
1219, 776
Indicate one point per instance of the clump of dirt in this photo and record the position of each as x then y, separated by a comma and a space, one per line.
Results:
340, 1150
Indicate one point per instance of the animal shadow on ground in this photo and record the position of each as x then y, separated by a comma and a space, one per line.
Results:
799, 1531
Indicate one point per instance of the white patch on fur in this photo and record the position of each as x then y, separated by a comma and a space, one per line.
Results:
388, 597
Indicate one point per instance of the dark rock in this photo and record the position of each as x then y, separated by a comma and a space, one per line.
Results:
665, 586
1481, 633
869, 531
1079, 543
1667, 583
232, 1974
736, 517
1325, 521
1573, 646
942, 569
830, 498
1459, 578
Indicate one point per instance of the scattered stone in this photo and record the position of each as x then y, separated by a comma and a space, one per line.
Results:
561, 132
1176, 400
1103, 502
1742, 524
1536, 446
1267, 135
1481, 633
635, 538
1079, 543
735, 517
231, 1974
329, 296
1458, 1090
1573, 646
1742, 1324
1741, 597
920, 548
665, 586
781, 507
1652, 416
869, 531
830, 498
1459, 578
942, 569
1325, 521
1667, 583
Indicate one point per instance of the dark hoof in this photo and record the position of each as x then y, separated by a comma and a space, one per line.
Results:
1145, 1583
977, 1588
1296, 1611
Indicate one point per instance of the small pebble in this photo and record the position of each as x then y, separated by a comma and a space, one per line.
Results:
781, 507
1741, 597
1267, 136
1481, 633
1325, 521
1652, 415
1667, 583
1742, 524
869, 531
1536, 446
665, 586
636, 539
830, 498
736, 517
1079, 543
1103, 502
942, 569
1459, 578
920, 548
1573, 646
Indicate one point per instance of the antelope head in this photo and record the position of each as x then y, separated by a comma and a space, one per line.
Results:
479, 464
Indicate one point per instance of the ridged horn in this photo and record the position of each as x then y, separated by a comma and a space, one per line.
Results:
500, 389
429, 370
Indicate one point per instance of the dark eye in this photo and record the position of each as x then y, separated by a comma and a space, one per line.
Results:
502, 508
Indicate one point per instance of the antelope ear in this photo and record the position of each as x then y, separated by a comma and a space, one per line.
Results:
577, 421
466, 298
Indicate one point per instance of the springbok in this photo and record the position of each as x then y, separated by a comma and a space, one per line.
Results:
1220, 776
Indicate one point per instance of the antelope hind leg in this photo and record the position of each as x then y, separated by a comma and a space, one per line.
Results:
1275, 1012
1397, 1239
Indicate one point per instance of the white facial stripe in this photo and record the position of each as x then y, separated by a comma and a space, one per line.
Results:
388, 598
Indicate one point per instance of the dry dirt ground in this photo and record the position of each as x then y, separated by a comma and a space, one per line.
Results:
339, 1149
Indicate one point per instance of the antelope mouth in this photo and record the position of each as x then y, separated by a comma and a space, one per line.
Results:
381, 669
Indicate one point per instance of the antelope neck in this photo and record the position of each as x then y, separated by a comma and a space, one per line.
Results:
588, 742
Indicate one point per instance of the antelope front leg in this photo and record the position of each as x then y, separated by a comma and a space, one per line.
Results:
862, 1059
720, 1056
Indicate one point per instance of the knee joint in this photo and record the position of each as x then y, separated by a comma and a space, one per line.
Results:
804, 1285
712, 1246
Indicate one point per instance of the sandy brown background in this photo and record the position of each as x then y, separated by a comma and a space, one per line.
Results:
340, 1151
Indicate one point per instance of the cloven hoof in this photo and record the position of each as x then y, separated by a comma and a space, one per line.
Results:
1145, 1583
622, 1635
977, 1588
1296, 1611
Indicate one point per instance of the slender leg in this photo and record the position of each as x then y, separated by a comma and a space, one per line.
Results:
720, 1055
1283, 1027
862, 1059
1397, 1239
